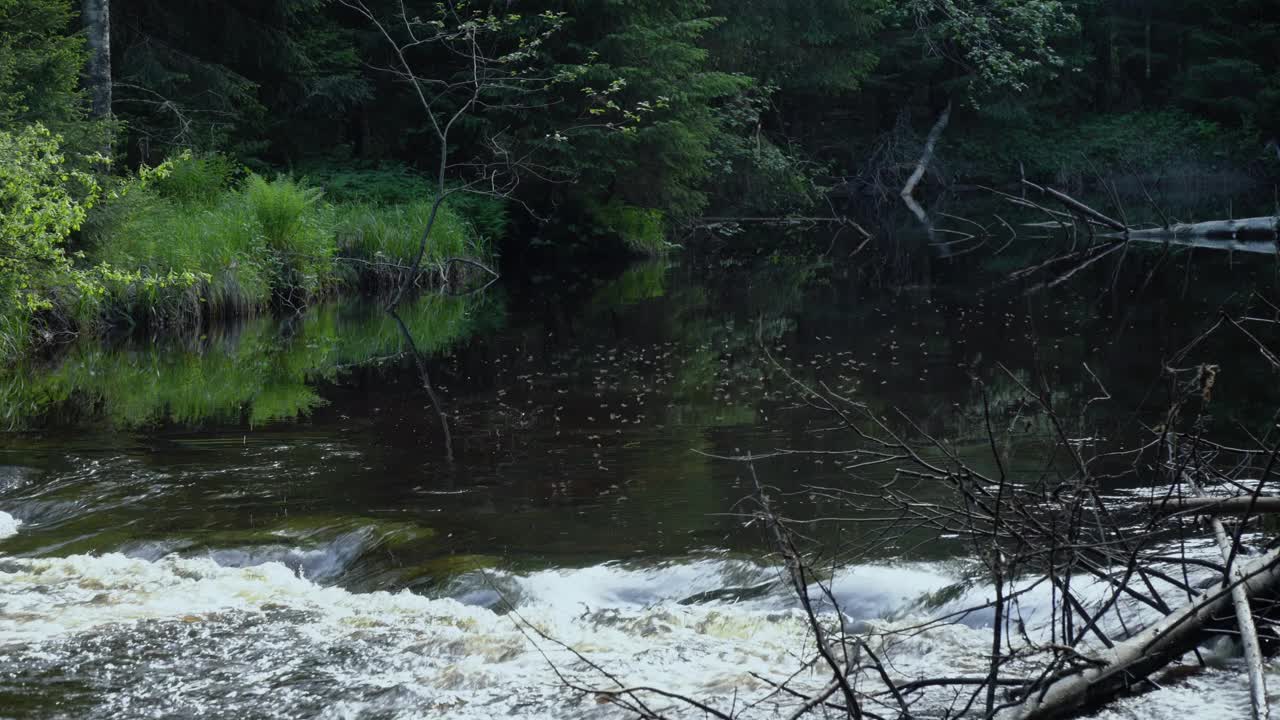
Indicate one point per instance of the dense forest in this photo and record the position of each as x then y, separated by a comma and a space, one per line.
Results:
166, 162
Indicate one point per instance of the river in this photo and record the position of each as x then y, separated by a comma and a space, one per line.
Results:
277, 519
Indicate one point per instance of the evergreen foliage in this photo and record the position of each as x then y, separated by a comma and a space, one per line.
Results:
41, 58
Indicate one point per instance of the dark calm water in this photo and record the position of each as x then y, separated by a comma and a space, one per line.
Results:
568, 429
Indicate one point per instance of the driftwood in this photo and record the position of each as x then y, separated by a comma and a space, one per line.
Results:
1233, 578
1080, 207
1128, 663
1242, 505
1244, 621
1126, 597
1255, 228
1261, 247
927, 156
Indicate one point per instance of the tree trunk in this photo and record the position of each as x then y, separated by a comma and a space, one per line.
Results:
927, 156
1258, 228
1128, 663
96, 15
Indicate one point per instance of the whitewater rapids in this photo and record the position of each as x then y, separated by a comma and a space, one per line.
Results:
113, 636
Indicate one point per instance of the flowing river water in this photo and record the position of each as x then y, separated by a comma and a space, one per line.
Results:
277, 519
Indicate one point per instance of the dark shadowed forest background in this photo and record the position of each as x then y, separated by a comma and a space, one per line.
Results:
124, 121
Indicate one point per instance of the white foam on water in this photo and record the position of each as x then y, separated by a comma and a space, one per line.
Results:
872, 591
621, 585
409, 655
8, 525
187, 636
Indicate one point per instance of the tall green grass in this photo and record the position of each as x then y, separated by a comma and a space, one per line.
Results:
379, 243
190, 243
220, 245
230, 254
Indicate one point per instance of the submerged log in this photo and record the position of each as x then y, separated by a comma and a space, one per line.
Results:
1262, 247
1266, 228
1255, 228
1129, 663
1240, 505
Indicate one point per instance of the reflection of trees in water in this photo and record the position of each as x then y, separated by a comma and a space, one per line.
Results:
926, 350
420, 361
1146, 301
262, 370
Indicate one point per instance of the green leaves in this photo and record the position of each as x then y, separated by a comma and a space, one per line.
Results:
42, 201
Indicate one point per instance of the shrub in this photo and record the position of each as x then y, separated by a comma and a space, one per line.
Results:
297, 229
751, 175
197, 179
398, 185
486, 214
42, 201
1146, 142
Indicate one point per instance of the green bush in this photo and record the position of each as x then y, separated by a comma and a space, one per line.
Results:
197, 179
297, 229
751, 175
398, 185
486, 214
42, 201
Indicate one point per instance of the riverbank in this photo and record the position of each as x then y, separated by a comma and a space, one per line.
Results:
198, 240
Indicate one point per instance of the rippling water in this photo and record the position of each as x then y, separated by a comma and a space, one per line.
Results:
272, 521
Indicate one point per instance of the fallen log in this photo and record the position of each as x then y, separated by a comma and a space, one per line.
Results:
1262, 247
1081, 208
1248, 631
1244, 613
1128, 663
1254, 228
1241, 505
1245, 229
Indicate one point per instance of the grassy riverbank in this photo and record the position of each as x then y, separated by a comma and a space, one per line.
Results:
198, 239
